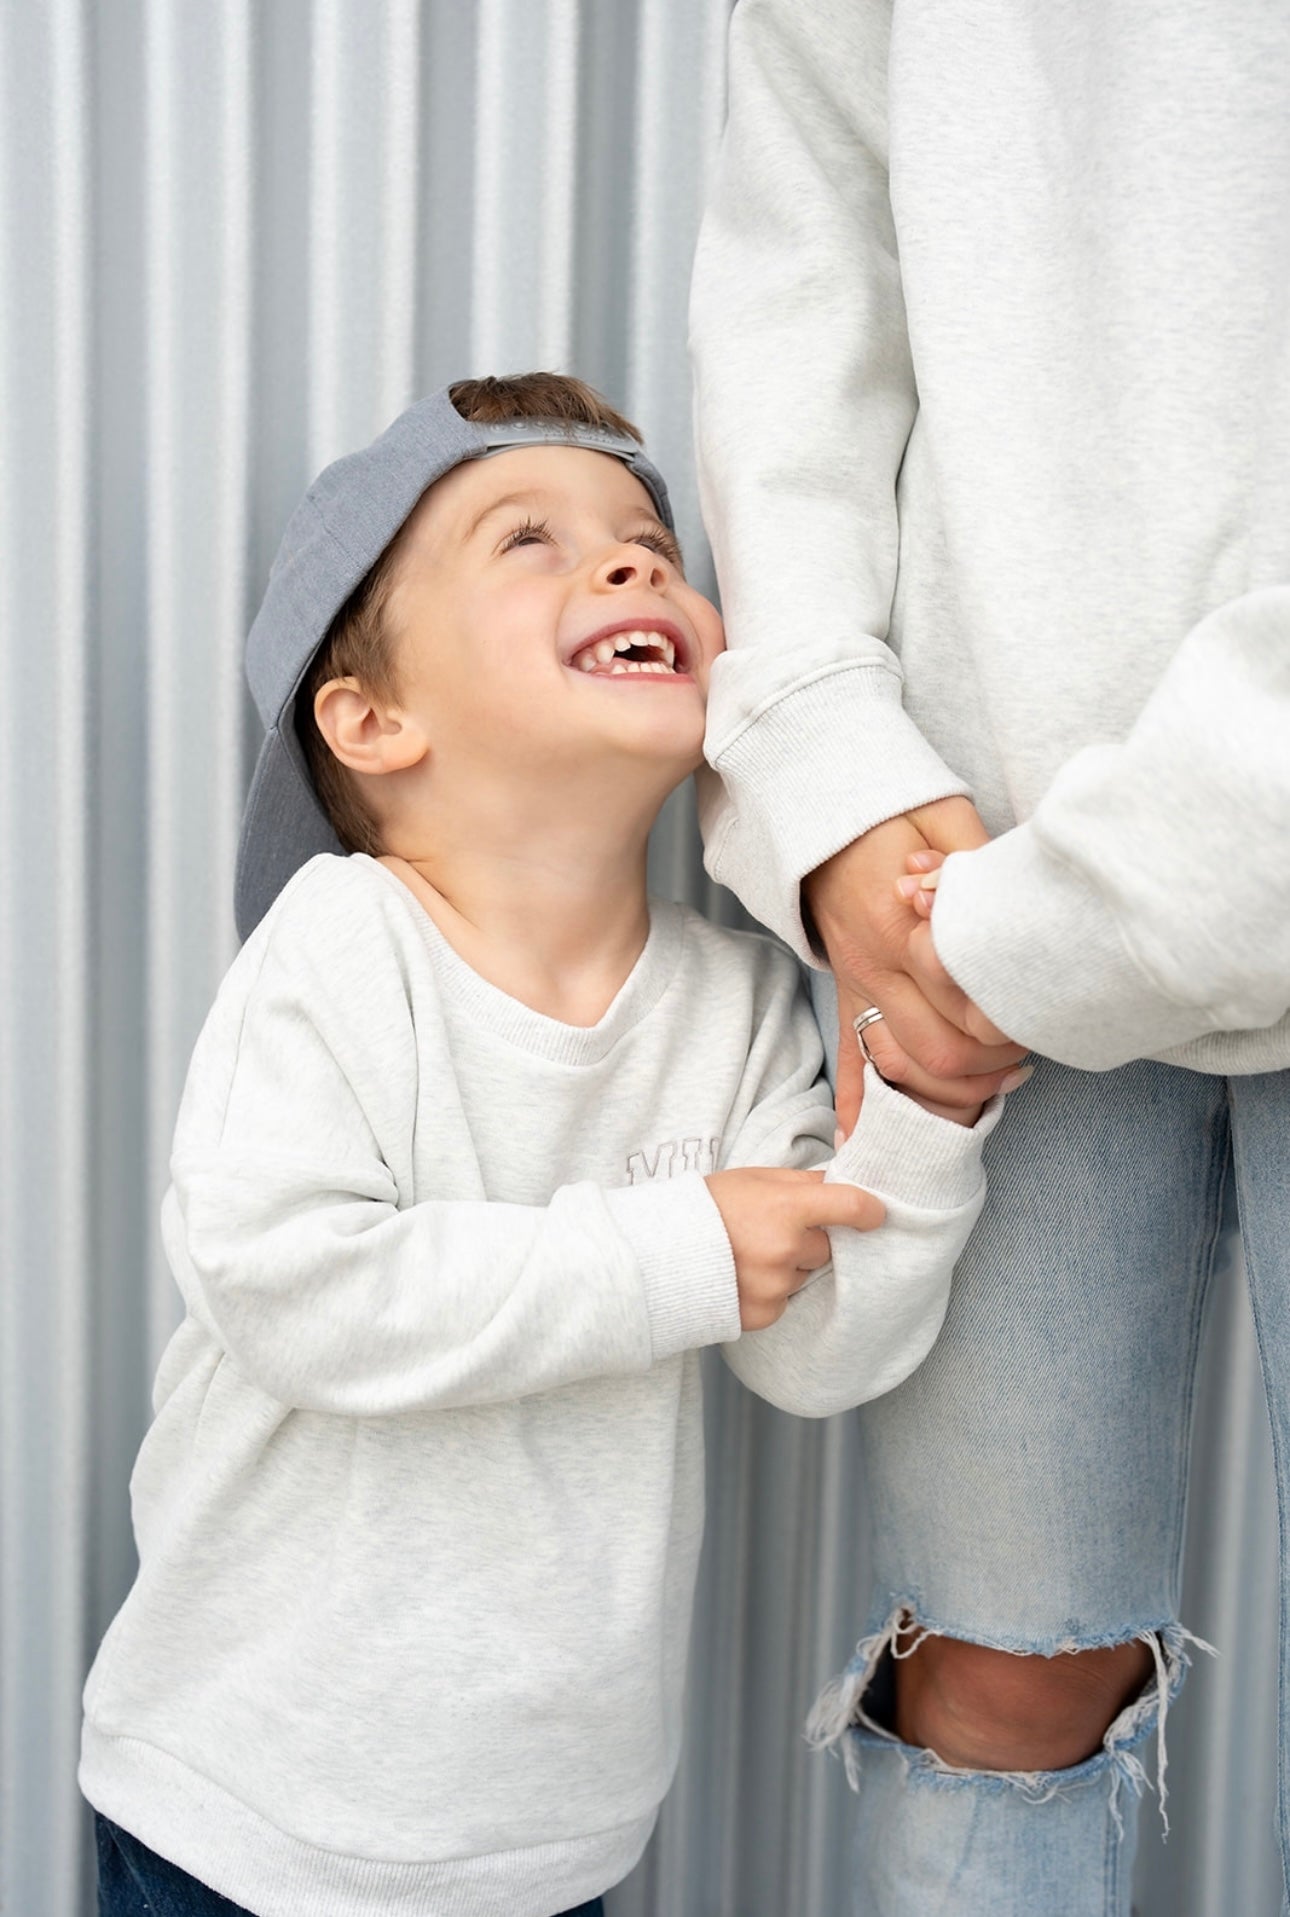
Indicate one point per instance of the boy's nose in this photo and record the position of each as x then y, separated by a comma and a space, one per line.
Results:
634, 566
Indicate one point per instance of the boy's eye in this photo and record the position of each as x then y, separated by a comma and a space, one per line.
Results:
533, 532
660, 540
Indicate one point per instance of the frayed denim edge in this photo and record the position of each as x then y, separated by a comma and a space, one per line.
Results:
839, 1723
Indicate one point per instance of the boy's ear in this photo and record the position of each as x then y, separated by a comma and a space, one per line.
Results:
366, 734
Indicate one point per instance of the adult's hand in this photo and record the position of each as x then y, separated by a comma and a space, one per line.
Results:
922, 1044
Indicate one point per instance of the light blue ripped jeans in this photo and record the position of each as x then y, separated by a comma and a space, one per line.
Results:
1026, 1486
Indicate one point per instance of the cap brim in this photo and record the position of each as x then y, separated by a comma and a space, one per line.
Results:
283, 827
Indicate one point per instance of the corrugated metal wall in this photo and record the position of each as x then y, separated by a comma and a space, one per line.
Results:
237, 236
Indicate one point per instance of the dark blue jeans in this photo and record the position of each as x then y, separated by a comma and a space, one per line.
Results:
135, 1882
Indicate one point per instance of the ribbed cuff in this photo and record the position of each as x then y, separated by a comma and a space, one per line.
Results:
805, 777
1030, 940
680, 1245
901, 1151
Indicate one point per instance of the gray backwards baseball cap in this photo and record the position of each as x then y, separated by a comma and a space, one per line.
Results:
333, 539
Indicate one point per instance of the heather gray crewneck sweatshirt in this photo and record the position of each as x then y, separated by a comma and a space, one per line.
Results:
419, 1515
991, 326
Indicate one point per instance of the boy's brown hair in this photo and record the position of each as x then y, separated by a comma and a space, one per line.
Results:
358, 642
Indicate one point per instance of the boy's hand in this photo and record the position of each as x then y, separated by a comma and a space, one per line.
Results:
922, 876
918, 889
775, 1221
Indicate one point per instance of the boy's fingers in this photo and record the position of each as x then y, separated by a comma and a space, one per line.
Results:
849, 1205
927, 861
813, 1252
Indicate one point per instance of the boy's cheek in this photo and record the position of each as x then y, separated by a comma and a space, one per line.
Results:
712, 637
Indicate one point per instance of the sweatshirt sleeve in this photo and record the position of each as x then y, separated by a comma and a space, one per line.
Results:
1147, 900
295, 1236
868, 1318
804, 401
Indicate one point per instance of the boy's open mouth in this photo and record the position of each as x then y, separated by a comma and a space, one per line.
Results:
649, 650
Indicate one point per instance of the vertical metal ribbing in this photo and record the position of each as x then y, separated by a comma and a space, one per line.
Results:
680, 68
234, 374
526, 159
13, 1357
165, 751
363, 216
680, 103
326, 169
15, 1338
69, 1183
400, 200
838, 1597
1221, 1855
444, 239
44, 539
559, 200
197, 254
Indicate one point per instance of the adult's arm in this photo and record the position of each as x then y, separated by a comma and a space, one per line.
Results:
1146, 902
804, 401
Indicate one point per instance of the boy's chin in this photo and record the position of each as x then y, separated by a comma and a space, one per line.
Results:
674, 763
665, 741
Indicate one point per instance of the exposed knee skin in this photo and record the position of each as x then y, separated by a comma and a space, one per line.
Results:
981, 1709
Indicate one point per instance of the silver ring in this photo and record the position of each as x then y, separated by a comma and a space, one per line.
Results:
859, 1023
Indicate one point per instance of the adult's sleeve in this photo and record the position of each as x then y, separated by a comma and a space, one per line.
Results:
297, 1236
804, 401
868, 1318
1146, 902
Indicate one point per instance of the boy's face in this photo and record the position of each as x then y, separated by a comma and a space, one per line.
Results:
541, 618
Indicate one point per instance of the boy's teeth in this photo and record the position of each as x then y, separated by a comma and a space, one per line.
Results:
605, 652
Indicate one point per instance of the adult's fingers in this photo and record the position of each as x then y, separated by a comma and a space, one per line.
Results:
962, 1091
950, 825
849, 1092
934, 981
934, 1043
953, 1003
893, 1062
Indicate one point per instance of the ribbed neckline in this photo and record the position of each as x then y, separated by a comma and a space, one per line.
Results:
506, 1018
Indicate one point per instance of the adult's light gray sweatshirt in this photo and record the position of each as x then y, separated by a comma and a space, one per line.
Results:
991, 327
419, 1514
